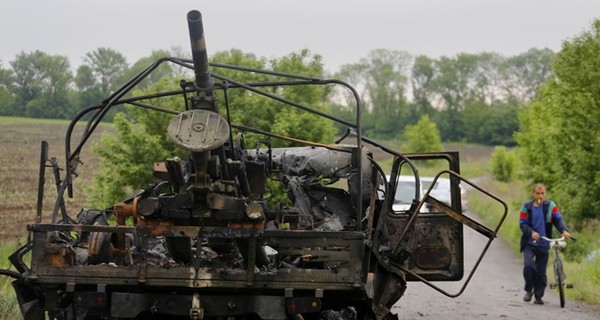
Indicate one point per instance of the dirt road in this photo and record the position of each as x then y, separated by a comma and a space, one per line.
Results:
494, 292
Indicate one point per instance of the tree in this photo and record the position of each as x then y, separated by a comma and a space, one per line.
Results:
107, 66
485, 78
423, 136
296, 123
41, 85
423, 73
451, 83
458, 81
7, 98
272, 116
165, 70
89, 92
490, 85
559, 133
525, 73
382, 78
142, 139
490, 125
127, 158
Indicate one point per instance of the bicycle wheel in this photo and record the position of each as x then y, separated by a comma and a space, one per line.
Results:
560, 281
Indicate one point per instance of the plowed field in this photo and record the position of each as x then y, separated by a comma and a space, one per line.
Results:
20, 145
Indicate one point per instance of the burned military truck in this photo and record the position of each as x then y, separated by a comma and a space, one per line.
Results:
203, 242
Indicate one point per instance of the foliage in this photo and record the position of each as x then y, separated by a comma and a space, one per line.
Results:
9, 309
272, 116
423, 72
89, 91
577, 250
523, 74
142, 138
40, 83
106, 66
293, 122
7, 97
490, 125
560, 135
128, 157
164, 70
503, 164
42, 86
586, 277
513, 193
382, 78
423, 137
471, 97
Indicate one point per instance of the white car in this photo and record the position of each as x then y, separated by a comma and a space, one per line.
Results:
441, 190
405, 193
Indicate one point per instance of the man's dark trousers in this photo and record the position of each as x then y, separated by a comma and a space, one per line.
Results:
534, 270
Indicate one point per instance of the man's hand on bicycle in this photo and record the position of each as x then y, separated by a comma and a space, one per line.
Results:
536, 236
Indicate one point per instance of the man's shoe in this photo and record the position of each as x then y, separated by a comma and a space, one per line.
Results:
538, 301
527, 296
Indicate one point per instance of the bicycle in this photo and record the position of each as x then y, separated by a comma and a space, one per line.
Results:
559, 273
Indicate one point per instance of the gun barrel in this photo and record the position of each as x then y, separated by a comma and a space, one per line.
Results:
199, 55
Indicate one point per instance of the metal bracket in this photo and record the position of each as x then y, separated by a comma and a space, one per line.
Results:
196, 311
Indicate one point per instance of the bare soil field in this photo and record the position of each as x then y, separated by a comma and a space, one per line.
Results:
20, 145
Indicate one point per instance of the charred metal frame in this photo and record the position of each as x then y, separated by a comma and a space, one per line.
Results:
365, 265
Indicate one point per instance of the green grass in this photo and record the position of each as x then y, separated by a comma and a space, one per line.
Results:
25, 121
19, 120
512, 194
9, 309
585, 277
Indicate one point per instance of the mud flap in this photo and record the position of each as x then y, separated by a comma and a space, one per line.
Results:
388, 288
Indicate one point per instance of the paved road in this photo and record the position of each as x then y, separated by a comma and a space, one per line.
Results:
495, 291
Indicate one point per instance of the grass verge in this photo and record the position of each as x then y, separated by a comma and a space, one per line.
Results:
9, 309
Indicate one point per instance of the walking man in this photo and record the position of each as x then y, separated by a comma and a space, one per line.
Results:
535, 220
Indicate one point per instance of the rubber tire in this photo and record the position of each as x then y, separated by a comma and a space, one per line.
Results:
560, 281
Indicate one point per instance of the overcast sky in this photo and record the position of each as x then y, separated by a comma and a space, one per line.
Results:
342, 31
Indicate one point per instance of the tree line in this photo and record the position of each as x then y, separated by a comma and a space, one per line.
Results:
40, 85
470, 97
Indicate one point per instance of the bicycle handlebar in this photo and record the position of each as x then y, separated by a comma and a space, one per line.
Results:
558, 239
551, 240
556, 243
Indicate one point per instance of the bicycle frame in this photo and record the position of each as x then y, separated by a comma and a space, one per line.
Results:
559, 273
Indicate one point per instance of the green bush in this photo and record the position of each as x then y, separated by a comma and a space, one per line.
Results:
503, 164
423, 136
577, 250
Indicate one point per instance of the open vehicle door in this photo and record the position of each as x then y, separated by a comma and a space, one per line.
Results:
425, 242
